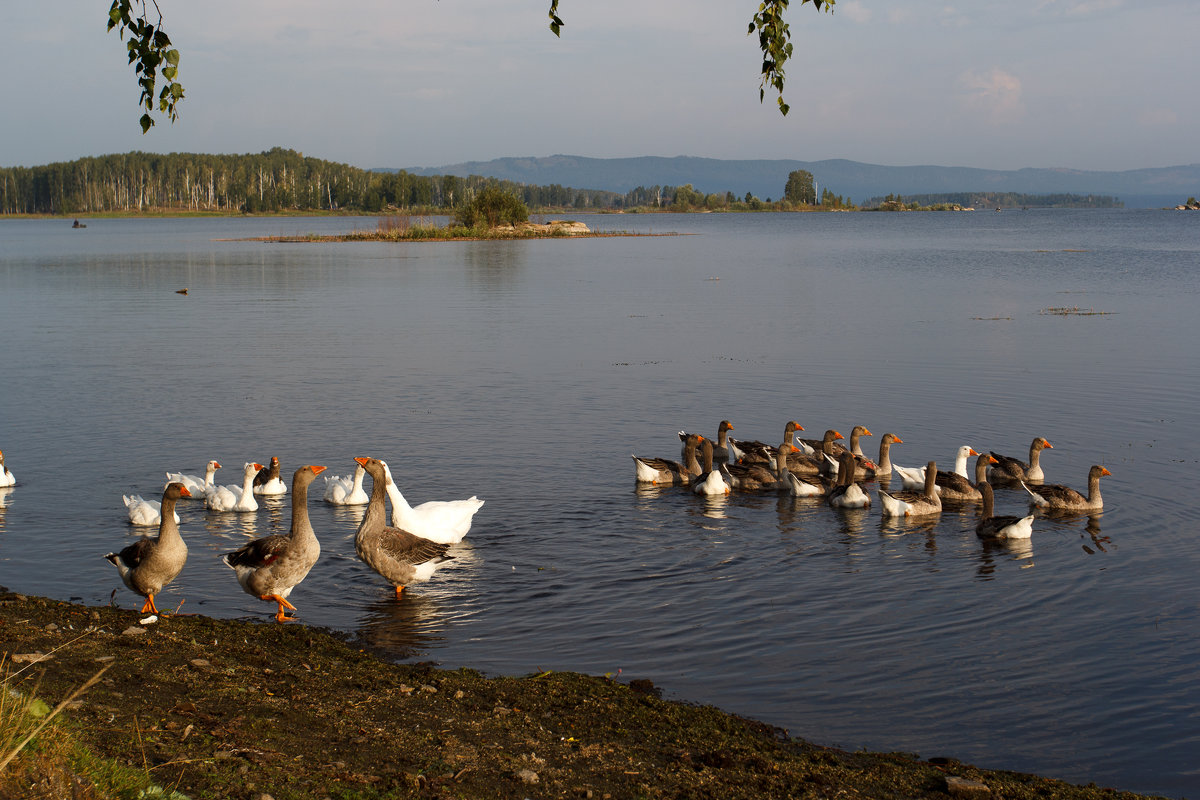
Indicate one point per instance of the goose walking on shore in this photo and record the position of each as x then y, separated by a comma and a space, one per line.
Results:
150, 563
270, 567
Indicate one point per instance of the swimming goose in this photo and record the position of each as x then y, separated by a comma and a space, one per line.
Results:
669, 473
914, 477
1011, 469
847, 493
756, 452
6, 477
1004, 527
268, 482
816, 463
347, 490
144, 512
952, 486
235, 498
883, 467
399, 556
792, 484
270, 567
710, 482
855, 445
194, 483
150, 563
437, 520
914, 504
1053, 495
720, 447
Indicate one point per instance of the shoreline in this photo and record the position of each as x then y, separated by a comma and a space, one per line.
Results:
243, 709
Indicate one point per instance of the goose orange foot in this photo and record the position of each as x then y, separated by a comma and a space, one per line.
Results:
283, 603
399, 589
148, 607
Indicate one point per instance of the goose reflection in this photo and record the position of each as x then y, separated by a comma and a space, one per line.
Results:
5, 499
348, 515
400, 628
230, 524
995, 550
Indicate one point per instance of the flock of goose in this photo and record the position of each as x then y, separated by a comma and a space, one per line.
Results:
827, 468
410, 549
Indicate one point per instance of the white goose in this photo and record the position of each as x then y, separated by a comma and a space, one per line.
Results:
347, 490
194, 483
443, 521
235, 498
6, 477
144, 512
913, 478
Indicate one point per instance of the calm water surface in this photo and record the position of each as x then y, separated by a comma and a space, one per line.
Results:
527, 372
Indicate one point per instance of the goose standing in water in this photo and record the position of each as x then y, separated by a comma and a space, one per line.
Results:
847, 493
1053, 495
1012, 470
914, 504
150, 563
268, 482
670, 473
6, 477
194, 483
721, 453
235, 498
270, 567
437, 520
397, 555
952, 486
348, 490
1003, 527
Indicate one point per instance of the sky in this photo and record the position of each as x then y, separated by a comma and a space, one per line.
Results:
1076, 84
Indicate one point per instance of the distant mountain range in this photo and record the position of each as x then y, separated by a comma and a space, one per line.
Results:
1137, 188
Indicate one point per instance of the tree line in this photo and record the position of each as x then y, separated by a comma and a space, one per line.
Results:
952, 200
282, 180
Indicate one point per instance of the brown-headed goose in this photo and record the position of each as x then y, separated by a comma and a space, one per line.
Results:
1011, 469
883, 467
1003, 527
1053, 495
720, 447
817, 463
270, 567
670, 473
194, 483
150, 563
397, 555
952, 486
710, 482
847, 493
756, 452
268, 482
914, 504
792, 484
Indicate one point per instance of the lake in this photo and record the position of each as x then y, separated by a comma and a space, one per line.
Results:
527, 373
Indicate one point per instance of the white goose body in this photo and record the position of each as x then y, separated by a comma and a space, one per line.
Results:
711, 482
913, 478
6, 477
144, 512
347, 490
235, 498
268, 482
194, 483
443, 521
911, 504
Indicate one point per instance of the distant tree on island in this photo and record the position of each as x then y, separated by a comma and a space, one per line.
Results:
800, 188
492, 206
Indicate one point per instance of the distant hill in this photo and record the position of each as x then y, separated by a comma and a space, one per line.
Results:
1138, 188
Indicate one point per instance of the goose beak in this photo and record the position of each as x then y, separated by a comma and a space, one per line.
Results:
184, 492
993, 460
1104, 471
362, 460
973, 452
316, 470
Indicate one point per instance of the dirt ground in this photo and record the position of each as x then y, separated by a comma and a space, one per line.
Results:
258, 710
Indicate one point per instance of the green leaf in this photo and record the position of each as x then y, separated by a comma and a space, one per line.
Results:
173, 57
147, 123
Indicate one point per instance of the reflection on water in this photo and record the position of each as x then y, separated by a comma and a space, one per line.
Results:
484, 367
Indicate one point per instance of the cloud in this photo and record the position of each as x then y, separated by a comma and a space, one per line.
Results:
995, 94
855, 11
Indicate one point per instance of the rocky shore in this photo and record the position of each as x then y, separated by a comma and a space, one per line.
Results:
211, 708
